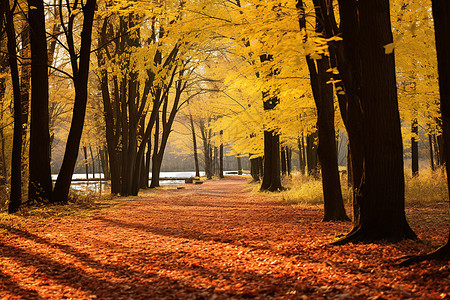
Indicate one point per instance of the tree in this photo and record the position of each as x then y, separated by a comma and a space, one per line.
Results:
380, 196
40, 182
194, 145
271, 180
16, 160
323, 96
80, 72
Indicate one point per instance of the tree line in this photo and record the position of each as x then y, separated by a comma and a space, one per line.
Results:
154, 61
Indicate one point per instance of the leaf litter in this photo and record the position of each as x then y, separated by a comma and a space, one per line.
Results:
211, 241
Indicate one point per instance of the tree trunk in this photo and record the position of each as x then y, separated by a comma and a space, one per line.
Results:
155, 163
415, 148
25, 83
15, 199
289, 160
441, 14
80, 75
194, 145
301, 155
111, 119
105, 164
86, 164
333, 203
271, 179
381, 192
323, 96
271, 171
430, 142
311, 155
239, 164
283, 161
40, 181
4, 174
440, 149
206, 150
221, 157
148, 160
92, 161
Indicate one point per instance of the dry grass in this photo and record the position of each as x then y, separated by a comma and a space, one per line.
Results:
428, 187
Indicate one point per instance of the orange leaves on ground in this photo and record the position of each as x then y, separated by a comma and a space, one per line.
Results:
214, 241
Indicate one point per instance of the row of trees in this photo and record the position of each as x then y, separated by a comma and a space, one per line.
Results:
154, 60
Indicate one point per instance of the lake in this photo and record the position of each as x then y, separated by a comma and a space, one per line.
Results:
101, 186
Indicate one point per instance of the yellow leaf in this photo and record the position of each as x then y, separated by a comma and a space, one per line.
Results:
389, 48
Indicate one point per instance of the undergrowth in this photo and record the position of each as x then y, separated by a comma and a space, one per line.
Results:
428, 187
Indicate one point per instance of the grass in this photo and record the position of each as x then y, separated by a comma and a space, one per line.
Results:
79, 206
428, 187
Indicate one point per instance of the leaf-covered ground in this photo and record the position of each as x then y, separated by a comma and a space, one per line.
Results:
211, 241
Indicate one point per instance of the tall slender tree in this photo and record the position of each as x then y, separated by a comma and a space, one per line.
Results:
40, 181
80, 70
16, 160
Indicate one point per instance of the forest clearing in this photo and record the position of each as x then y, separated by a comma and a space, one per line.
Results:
218, 240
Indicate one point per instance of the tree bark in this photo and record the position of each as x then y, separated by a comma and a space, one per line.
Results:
40, 181
80, 77
221, 156
288, 160
15, 198
301, 154
311, 155
380, 199
430, 142
239, 164
414, 148
283, 161
92, 161
333, 202
271, 178
194, 145
86, 164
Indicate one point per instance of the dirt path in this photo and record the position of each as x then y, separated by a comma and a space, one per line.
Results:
210, 241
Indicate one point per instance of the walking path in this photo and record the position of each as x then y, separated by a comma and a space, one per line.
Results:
209, 241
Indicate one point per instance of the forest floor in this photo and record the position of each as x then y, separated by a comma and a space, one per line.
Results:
218, 240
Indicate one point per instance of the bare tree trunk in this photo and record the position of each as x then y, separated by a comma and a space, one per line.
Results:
430, 142
92, 161
283, 161
194, 145
15, 199
381, 213
239, 165
40, 181
86, 164
288, 160
80, 68
311, 155
414, 148
221, 157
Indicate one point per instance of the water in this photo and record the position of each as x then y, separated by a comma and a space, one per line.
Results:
103, 187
